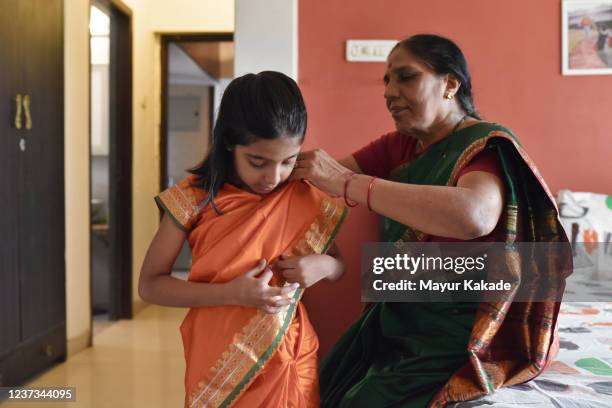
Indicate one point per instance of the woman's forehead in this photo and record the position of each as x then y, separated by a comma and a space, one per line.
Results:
402, 58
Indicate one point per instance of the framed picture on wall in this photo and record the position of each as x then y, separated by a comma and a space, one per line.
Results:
587, 37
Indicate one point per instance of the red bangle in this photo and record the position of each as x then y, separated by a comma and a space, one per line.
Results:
370, 192
346, 183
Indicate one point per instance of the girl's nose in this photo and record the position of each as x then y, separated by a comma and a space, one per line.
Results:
273, 177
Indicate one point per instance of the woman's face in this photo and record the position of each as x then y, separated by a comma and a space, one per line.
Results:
413, 92
265, 164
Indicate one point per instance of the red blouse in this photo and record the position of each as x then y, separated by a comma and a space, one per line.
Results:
390, 151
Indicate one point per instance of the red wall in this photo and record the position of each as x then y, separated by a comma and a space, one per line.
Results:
514, 52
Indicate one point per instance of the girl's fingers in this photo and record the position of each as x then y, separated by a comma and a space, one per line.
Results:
271, 310
257, 270
278, 301
286, 290
266, 276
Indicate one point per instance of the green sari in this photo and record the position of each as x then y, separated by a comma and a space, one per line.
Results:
431, 354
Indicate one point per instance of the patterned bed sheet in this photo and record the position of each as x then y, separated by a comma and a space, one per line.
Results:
581, 375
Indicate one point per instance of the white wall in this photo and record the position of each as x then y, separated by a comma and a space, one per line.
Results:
266, 36
186, 148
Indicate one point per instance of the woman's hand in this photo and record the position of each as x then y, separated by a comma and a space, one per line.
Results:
252, 291
322, 170
308, 270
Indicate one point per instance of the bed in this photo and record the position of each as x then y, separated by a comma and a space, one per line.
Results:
580, 376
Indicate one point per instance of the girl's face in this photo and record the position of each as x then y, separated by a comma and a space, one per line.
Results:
265, 164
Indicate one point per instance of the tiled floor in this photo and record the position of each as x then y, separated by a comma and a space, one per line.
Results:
101, 323
134, 363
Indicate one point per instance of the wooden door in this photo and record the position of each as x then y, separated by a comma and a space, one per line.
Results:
34, 242
42, 243
10, 80
120, 156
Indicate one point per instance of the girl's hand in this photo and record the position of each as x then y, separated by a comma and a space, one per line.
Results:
308, 270
252, 291
322, 170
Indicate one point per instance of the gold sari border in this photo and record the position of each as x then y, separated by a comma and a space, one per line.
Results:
180, 205
490, 316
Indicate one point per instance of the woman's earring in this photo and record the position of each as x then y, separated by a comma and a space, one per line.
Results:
449, 95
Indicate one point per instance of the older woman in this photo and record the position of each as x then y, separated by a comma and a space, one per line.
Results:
444, 175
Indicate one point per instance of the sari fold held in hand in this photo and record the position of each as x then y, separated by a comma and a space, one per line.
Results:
432, 354
240, 356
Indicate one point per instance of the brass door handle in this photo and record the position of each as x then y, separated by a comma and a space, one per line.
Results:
26, 108
48, 350
18, 111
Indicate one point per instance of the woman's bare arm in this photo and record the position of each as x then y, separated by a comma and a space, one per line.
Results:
467, 211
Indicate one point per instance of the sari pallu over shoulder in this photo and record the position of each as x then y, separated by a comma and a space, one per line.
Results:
511, 342
226, 347
431, 354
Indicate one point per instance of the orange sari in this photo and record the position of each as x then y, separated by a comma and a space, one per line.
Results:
240, 356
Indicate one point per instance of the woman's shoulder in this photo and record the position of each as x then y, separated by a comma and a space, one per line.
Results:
385, 153
484, 127
397, 141
397, 136
481, 130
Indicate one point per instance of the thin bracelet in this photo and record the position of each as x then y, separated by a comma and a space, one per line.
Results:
370, 192
346, 183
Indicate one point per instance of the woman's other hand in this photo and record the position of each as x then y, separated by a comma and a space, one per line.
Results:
251, 290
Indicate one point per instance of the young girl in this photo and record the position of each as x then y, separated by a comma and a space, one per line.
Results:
257, 241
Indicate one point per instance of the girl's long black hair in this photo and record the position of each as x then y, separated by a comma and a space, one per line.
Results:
267, 105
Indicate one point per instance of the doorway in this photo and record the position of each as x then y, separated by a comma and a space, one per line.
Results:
195, 71
111, 163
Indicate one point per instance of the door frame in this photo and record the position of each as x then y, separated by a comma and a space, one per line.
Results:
165, 39
120, 160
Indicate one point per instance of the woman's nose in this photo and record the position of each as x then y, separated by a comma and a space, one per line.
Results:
390, 90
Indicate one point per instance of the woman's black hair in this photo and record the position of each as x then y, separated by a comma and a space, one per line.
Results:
267, 105
444, 57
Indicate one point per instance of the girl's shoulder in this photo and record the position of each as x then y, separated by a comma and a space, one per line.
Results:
181, 202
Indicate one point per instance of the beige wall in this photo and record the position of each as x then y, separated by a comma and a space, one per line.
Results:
150, 17
76, 151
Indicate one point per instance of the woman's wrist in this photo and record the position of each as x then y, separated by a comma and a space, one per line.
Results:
338, 183
354, 190
347, 182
